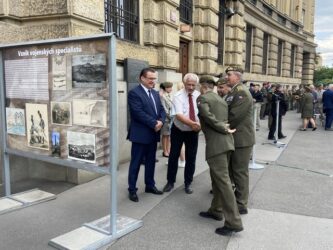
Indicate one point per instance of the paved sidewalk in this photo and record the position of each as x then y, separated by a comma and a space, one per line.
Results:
291, 203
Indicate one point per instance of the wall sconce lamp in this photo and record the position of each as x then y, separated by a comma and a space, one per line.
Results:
229, 12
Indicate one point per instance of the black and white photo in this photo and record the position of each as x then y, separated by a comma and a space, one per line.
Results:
89, 71
61, 113
81, 146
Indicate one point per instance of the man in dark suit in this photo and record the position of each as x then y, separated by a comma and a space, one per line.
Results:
328, 107
213, 114
147, 118
282, 108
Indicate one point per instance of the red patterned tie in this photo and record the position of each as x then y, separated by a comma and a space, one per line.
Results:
190, 102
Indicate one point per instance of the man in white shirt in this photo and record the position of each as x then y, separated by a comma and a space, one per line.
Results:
185, 129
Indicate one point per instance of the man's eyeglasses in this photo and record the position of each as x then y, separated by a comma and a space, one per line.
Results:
151, 79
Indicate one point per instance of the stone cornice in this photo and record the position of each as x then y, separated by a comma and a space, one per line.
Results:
48, 18
259, 15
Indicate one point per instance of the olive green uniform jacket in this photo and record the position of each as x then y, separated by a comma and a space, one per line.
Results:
307, 105
240, 116
213, 114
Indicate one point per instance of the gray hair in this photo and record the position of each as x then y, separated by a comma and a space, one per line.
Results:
239, 74
191, 76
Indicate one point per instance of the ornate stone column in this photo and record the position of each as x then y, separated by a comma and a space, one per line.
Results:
273, 55
205, 36
257, 52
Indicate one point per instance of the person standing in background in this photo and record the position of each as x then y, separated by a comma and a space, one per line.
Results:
277, 95
222, 87
258, 100
307, 108
166, 100
328, 107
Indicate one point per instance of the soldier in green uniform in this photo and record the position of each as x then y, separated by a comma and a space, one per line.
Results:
240, 118
213, 114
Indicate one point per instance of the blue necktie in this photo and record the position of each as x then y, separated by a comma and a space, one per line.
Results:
151, 100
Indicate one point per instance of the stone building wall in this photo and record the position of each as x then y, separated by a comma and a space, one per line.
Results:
159, 42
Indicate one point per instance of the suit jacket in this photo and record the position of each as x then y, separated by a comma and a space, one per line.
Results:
240, 116
143, 116
283, 106
328, 99
213, 114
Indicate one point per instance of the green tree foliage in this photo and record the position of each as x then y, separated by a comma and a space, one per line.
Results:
323, 75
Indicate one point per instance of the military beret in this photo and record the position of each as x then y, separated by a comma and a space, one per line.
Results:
221, 81
234, 68
207, 79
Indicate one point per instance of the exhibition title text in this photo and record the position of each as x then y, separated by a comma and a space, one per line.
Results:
46, 52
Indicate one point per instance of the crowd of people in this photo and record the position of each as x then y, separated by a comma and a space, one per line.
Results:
226, 119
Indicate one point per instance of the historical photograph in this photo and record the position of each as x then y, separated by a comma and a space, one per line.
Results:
81, 146
59, 81
61, 113
37, 125
55, 138
90, 112
89, 71
15, 121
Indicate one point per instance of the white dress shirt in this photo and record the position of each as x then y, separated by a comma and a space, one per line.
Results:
181, 106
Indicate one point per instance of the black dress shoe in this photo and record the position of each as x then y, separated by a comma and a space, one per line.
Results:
153, 190
243, 211
211, 191
168, 187
133, 197
282, 136
188, 189
271, 138
210, 216
227, 231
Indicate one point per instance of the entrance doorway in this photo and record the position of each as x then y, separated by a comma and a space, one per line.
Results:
183, 57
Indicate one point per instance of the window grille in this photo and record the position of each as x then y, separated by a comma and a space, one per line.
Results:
122, 17
185, 11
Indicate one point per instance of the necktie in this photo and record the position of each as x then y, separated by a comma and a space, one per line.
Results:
151, 100
191, 111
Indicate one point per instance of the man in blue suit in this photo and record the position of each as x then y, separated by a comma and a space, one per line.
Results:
147, 118
328, 107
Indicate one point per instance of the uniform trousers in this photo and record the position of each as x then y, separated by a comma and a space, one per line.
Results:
239, 174
190, 139
224, 200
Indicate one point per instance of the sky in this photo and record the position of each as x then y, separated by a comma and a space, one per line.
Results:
324, 30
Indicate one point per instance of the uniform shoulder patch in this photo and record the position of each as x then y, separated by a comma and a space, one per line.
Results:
239, 87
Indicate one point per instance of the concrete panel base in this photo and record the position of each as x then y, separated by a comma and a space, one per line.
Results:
24, 199
7, 204
95, 235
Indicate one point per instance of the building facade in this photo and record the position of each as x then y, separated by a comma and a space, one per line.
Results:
273, 40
